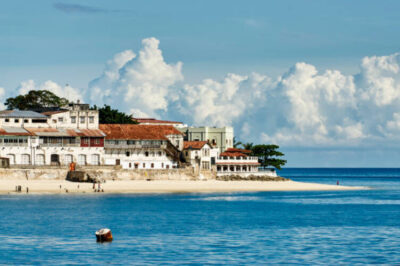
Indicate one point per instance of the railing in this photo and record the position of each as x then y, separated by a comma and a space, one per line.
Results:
134, 146
250, 158
14, 144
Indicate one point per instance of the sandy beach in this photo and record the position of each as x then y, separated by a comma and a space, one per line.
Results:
158, 186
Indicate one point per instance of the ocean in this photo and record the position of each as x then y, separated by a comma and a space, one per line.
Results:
343, 227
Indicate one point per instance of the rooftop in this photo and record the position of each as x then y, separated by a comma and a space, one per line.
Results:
138, 132
155, 121
21, 114
194, 145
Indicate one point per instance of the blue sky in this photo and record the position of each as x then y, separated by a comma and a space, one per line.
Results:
72, 41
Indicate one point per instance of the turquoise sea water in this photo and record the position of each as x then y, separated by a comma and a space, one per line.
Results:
344, 227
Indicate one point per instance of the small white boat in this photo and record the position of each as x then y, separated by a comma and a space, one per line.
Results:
104, 235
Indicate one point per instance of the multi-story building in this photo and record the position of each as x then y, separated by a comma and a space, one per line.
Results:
31, 138
222, 138
142, 146
237, 162
200, 154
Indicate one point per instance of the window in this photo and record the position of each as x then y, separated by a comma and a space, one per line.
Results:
85, 140
162, 165
16, 120
127, 154
7, 120
73, 119
95, 159
39, 121
144, 165
146, 154
97, 141
91, 119
54, 121
60, 119
152, 165
82, 119
187, 153
26, 120
159, 153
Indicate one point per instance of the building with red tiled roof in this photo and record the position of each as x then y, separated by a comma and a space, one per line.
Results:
237, 162
142, 146
194, 145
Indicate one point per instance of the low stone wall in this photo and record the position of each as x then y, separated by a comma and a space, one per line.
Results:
251, 178
105, 173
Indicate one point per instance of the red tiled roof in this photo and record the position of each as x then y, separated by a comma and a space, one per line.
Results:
48, 113
155, 121
136, 132
194, 145
240, 163
85, 132
61, 132
232, 154
237, 150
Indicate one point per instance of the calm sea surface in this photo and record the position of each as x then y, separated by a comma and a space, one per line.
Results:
347, 227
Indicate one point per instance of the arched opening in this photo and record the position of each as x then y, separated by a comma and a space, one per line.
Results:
82, 159
95, 159
40, 159
25, 159
55, 159
68, 159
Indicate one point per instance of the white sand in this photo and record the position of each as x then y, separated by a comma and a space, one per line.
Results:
170, 186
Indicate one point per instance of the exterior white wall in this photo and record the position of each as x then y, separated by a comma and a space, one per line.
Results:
200, 157
157, 157
87, 119
17, 153
176, 140
22, 122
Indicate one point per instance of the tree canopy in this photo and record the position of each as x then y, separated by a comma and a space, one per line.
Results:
267, 154
35, 100
107, 115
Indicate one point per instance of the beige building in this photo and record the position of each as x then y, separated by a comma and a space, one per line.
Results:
221, 138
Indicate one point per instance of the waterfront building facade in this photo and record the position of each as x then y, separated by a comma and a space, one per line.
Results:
141, 146
199, 154
31, 138
237, 162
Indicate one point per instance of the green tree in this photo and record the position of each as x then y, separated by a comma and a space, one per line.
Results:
35, 100
107, 115
236, 143
248, 146
267, 155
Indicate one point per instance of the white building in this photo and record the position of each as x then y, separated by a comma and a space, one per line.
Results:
31, 138
237, 162
200, 154
141, 146
74, 116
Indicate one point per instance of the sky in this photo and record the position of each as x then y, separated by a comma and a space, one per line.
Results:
319, 78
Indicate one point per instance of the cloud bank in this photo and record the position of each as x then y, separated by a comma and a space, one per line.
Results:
302, 107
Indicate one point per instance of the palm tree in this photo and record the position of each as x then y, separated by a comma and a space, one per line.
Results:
248, 146
236, 143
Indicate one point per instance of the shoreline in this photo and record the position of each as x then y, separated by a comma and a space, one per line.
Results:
48, 187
